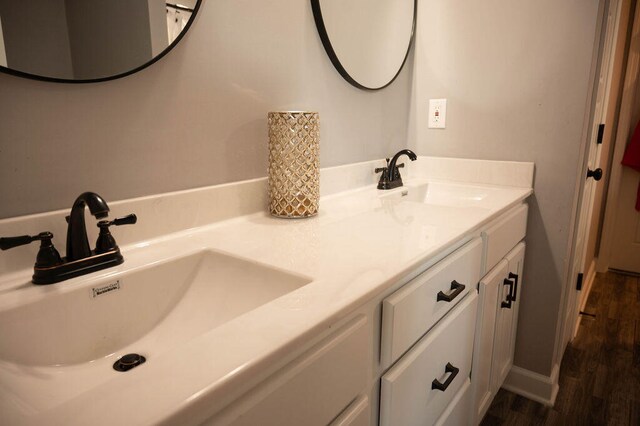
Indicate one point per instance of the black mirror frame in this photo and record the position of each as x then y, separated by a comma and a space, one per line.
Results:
322, 31
155, 59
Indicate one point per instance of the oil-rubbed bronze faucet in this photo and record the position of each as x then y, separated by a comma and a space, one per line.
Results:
390, 177
80, 260
77, 241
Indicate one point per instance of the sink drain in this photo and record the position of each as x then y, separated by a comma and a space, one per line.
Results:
128, 361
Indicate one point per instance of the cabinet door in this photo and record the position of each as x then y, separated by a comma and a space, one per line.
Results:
516, 266
507, 317
488, 289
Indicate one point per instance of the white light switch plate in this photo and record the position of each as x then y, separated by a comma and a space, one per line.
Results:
437, 113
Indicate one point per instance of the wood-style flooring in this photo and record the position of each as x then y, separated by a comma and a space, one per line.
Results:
600, 372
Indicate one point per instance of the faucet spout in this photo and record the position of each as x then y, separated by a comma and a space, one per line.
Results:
391, 171
77, 241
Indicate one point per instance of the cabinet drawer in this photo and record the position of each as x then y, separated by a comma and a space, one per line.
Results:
407, 395
457, 413
357, 414
411, 311
500, 237
312, 390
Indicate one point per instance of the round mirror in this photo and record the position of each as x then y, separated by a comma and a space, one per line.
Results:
368, 41
84, 41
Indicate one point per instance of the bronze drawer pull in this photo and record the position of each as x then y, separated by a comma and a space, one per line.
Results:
436, 384
507, 304
457, 289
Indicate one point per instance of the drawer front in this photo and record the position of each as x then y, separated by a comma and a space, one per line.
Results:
411, 311
407, 395
312, 390
357, 414
503, 235
457, 413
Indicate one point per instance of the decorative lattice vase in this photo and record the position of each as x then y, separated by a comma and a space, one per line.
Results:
294, 164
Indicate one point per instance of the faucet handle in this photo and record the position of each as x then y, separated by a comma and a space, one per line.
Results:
129, 219
382, 169
11, 242
47, 255
399, 166
105, 241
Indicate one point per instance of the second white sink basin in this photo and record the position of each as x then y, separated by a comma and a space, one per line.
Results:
444, 194
150, 310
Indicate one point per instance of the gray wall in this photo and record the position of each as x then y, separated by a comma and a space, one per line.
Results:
197, 117
516, 76
97, 42
35, 37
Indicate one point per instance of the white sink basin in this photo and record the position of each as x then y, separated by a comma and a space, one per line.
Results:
154, 309
444, 194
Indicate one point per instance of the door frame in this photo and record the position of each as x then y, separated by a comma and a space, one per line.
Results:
630, 102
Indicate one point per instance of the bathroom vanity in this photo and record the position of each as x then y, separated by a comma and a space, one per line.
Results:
390, 307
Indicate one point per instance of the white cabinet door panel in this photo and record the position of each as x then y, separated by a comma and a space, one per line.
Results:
488, 290
502, 359
516, 266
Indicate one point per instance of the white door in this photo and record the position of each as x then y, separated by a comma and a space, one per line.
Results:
625, 251
625, 247
620, 248
592, 172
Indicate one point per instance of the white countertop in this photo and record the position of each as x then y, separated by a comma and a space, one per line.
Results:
358, 246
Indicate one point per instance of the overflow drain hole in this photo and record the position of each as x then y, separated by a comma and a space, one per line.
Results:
128, 361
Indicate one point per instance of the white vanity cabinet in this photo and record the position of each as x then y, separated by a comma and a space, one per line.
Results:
499, 293
431, 351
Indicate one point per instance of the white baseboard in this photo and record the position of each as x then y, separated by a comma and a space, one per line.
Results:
534, 386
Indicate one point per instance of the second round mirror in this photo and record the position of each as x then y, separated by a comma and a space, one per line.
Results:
368, 41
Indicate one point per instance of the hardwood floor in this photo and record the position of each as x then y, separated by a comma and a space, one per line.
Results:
600, 372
